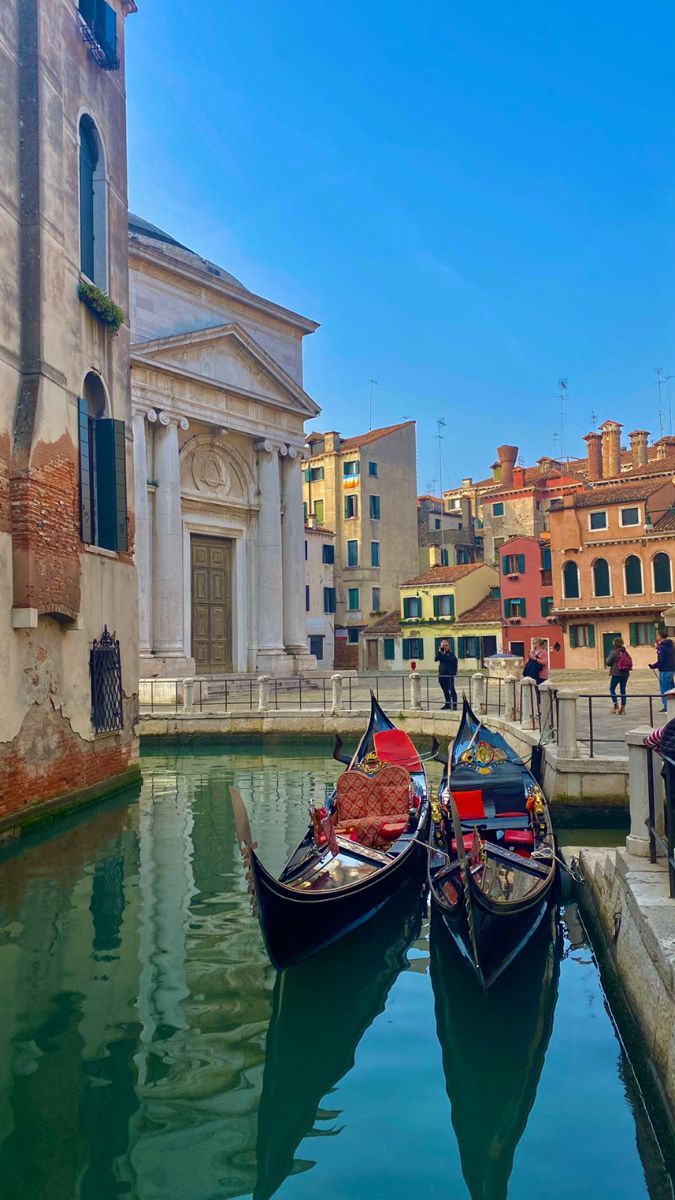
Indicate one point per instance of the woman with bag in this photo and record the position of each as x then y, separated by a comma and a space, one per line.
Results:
620, 666
536, 666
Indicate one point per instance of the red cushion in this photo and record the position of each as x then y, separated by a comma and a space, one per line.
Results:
394, 746
468, 842
389, 830
469, 804
519, 837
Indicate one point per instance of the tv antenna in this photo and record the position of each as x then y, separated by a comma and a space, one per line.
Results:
562, 389
440, 426
660, 380
370, 411
594, 419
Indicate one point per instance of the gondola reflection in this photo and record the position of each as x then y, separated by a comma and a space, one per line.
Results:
321, 1010
493, 1047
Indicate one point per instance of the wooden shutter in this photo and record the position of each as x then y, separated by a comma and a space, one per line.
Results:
388, 648
574, 642
437, 606
507, 608
461, 652
86, 467
520, 563
505, 564
590, 635
523, 607
111, 485
406, 648
88, 160
633, 633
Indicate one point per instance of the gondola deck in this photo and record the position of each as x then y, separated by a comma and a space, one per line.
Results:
323, 892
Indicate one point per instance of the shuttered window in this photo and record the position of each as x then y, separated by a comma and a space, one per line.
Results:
582, 635
413, 648
88, 164
103, 481
444, 606
389, 649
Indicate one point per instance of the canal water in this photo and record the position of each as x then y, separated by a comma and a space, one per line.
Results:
148, 1049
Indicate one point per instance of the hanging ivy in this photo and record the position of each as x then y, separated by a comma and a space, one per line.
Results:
104, 309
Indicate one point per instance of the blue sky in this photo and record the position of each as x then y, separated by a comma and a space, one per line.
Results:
472, 199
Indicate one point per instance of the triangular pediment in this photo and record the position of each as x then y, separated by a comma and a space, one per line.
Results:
228, 356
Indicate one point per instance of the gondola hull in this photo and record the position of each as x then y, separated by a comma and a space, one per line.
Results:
321, 896
499, 939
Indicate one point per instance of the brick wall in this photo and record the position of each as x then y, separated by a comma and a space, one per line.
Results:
346, 655
45, 530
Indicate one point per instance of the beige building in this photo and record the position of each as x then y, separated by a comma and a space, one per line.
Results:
320, 594
364, 488
219, 410
67, 579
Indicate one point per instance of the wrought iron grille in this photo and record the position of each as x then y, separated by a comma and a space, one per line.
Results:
105, 667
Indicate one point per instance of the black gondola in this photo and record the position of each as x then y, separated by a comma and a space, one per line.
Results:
321, 1010
493, 873
379, 812
493, 1047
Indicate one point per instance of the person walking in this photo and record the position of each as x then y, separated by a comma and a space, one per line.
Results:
665, 664
620, 666
447, 669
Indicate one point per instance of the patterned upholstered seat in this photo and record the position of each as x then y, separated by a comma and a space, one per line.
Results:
365, 803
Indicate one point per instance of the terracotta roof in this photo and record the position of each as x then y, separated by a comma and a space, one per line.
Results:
658, 466
320, 529
616, 493
666, 523
387, 626
364, 439
443, 574
488, 611
434, 500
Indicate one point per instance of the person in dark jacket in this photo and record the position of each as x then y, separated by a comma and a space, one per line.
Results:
620, 666
665, 664
447, 669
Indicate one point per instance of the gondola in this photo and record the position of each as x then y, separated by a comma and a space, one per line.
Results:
492, 874
321, 1010
493, 1048
352, 860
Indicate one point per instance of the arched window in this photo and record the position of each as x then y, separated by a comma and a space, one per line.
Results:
102, 453
633, 573
663, 579
601, 584
93, 206
571, 581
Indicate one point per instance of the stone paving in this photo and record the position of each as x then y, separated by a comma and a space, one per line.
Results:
595, 707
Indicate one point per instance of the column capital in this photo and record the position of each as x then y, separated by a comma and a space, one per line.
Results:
166, 418
269, 446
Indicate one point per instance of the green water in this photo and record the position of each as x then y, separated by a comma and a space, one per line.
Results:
148, 1050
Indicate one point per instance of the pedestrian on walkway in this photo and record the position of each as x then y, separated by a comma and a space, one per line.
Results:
536, 666
665, 664
447, 669
620, 666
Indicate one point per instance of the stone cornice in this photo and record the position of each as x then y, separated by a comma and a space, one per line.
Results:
199, 275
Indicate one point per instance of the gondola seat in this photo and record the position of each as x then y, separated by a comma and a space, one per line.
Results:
374, 808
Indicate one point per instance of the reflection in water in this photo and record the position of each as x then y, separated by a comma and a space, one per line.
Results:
494, 1047
137, 1057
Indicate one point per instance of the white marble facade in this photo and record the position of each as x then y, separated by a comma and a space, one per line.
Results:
218, 416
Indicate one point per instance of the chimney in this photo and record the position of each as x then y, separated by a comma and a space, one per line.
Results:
467, 481
594, 443
638, 447
507, 460
519, 477
465, 509
665, 447
331, 442
611, 449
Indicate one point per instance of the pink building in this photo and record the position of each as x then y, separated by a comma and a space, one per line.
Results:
526, 587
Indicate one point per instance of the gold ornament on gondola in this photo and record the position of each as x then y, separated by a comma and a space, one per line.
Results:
483, 757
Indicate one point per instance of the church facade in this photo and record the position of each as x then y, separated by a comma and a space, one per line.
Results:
218, 417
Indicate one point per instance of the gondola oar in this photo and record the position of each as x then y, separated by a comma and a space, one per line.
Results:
466, 876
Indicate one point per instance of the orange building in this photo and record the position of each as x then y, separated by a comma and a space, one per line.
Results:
612, 550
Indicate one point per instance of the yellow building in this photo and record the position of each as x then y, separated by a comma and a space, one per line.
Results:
458, 603
364, 488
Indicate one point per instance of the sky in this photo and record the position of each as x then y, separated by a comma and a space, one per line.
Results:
474, 200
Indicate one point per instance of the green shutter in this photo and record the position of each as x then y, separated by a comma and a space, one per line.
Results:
389, 650
633, 633
406, 649
88, 161
437, 606
505, 564
461, 653
507, 608
590, 635
111, 485
86, 489
420, 648
521, 563
452, 604
574, 642
523, 612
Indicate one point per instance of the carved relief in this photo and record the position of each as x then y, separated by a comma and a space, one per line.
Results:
211, 469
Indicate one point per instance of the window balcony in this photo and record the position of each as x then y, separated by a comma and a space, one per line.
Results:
98, 26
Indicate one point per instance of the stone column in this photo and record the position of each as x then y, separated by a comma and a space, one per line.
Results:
272, 658
336, 693
167, 605
142, 543
477, 693
293, 561
510, 697
637, 841
415, 690
567, 725
528, 703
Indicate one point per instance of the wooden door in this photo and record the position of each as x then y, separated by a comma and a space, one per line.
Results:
211, 604
371, 649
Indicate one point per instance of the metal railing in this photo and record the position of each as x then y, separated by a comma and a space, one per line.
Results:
666, 843
595, 712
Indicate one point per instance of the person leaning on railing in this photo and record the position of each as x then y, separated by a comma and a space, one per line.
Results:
663, 739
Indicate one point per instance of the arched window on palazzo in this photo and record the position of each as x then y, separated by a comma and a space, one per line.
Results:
663, 578
601, 581
633, 575
103, 479
571, 581
93, 206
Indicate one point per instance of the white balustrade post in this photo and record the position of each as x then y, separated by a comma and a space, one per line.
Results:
547, 701
510, 697
637, 841
336, 688
188, 695
477, 693
415, 690
263, 693
567, 725
528, 703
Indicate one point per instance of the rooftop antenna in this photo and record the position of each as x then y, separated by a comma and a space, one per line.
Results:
373, 381
555, 444
660, 378
562, 386
431, 484
440, 426
594, 419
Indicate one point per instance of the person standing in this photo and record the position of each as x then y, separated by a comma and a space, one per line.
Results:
665, 664
447, 670
536, 666
620, 666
